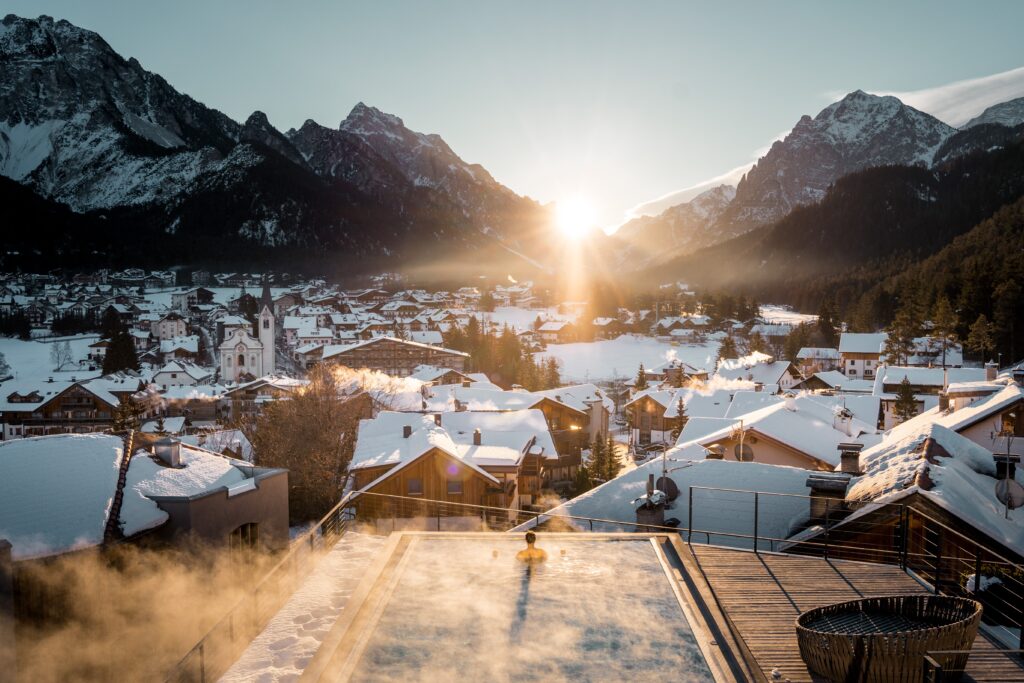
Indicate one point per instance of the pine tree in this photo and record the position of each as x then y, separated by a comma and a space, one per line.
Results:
1006, 297
641, 379
981, 337
161, 428
727, 349
944, 324
598, 460
683, 418
552, 379
906, 405
614, 464
120, 354
583, 482
756, 343
899, 345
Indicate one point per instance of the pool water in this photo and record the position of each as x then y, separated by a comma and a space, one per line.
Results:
466, 610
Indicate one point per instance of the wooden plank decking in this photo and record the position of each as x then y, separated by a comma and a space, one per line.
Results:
762, 594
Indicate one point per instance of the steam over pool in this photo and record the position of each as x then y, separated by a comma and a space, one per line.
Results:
596, 610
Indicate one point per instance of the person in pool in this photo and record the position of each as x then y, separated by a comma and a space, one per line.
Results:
531, 553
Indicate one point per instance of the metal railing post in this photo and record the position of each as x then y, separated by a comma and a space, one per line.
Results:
827, 501
977, 571
904, 536
202, 663
689, 516
755, 519
938, 561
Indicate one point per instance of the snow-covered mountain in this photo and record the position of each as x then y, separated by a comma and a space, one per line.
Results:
1010, 114
857, 132
83, 126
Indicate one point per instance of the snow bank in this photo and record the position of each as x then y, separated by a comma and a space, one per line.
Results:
621, 357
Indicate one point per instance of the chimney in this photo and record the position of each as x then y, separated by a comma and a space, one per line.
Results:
1006, 465
944, 401
406, 431
849, 458
991, 370
828, 491
466, 383
437, 419
476, 437
169, 451
758, 386
650, 484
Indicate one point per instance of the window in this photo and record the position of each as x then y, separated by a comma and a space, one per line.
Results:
244, 538
851, 363
266, 323
414, 487
454, 487
241, 359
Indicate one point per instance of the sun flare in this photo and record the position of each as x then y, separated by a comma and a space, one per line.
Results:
575, 217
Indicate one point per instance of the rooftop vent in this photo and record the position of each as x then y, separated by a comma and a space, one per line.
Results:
849, 458
169, 451
828, 490
991, 370
437, 419
476, 437
406, 431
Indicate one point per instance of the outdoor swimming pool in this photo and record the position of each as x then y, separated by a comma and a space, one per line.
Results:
461, 608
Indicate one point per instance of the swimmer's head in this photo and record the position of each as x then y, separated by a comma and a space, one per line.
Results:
531, 537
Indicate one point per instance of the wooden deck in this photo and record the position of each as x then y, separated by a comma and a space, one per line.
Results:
762, 594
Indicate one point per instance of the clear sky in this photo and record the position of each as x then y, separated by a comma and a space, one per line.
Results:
619, 101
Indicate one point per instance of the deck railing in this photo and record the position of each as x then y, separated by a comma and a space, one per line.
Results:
940, 557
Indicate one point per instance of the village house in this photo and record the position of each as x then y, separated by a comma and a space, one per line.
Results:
246, 401
860, 353
771, 375
392, 356
181, 374
927, 384
813, 359
169, 326
557, 332
490, 459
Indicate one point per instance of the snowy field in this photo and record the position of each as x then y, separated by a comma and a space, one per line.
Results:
522, 319
774, 313
620, 358
30, 360
284, 648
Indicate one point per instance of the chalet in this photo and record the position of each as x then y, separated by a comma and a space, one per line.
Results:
860, 353
557, 332
647, 417
180, 348
169, 326
834, 381
813, 359
763, 370
796, 432
186, 300
98, 350
435, 375
247, 400
676, 373
181, 374
607, 328
490, 459
392, 356
203, 402
59, 407
399, 309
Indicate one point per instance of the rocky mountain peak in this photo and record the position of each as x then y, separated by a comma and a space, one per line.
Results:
1009, 113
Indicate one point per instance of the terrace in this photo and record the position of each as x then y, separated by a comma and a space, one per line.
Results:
715, 600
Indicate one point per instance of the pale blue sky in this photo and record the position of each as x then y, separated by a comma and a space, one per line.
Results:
621, 102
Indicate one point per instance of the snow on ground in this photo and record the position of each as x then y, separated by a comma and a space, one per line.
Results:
221, 295
30, 360
521, 319
289, 642
773, 313
621, 357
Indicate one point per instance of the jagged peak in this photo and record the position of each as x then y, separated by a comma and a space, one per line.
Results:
362, 115
257, 119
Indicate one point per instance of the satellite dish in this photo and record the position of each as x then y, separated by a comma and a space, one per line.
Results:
1010, 493
746, 454
669, 487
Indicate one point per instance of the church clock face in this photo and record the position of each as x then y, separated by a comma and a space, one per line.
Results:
240, 347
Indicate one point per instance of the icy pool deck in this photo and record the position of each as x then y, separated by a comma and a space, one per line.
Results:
444, 607
283, 649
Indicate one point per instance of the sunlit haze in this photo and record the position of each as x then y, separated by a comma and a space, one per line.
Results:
575, 216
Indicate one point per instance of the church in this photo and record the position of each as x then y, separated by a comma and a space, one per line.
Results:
244, 357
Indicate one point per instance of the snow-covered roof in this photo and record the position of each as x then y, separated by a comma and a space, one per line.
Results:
189, 344
191, 369
818, 353
336, 349
950, 470
172, 425
55, 491
862, 342
443, 398
762, 373
579, 396
430, 373
221, 440
934, 377
808, 427
838, 380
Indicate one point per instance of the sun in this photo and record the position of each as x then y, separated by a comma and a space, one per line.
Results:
575, 217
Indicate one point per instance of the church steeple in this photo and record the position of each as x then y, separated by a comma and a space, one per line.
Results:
265, 298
